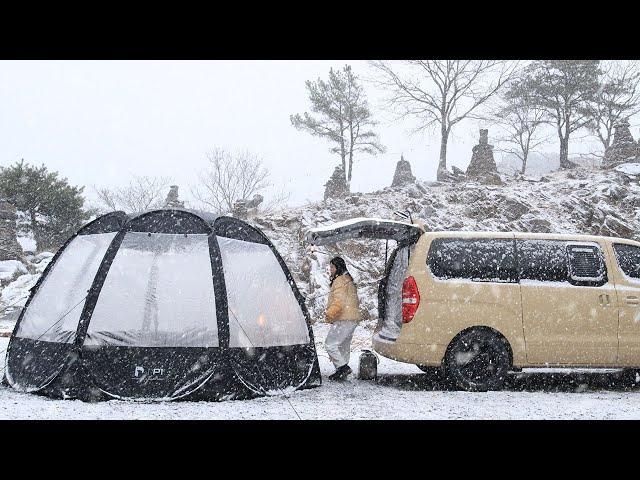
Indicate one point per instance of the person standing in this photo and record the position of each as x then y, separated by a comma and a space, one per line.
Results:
343, 313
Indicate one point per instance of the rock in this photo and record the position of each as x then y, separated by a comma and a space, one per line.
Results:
623, 149
456, 170
244, 208
402, 175
480, 211
513, 209
616, 192
536, 225
615, 227
172, 200
9, 269
482, 163
629, 169
336, 186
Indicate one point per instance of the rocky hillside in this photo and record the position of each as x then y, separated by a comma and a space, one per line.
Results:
587, 201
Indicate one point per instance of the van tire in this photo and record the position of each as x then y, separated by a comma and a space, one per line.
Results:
487, 369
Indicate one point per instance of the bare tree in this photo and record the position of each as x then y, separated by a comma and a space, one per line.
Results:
441, 93
564, 89
521, 121
230, 177
141, 194
618, 98
343, 117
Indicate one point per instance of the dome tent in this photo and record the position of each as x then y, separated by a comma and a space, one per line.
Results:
164, 305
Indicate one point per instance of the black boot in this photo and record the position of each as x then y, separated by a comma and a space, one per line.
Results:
341, 373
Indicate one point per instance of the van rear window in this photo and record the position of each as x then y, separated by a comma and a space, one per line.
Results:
628, 258
483, 259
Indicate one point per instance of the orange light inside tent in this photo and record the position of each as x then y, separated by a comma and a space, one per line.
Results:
261, 320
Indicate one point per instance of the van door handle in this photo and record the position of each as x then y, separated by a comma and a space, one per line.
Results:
605, 300
632, 300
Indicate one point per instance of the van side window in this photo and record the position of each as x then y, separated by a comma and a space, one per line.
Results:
586, 265
482, 259
628, 258
542, 260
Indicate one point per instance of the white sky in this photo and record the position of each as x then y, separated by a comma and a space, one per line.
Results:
99, 122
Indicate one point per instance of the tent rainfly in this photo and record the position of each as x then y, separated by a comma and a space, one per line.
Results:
164, 305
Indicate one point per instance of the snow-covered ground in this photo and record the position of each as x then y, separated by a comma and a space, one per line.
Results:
401, 392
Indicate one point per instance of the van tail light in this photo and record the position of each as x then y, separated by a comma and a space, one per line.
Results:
410, 299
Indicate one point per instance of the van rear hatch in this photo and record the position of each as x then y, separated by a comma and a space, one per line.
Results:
369, 228
390, 292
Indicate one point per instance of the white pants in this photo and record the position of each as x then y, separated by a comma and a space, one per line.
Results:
338, 342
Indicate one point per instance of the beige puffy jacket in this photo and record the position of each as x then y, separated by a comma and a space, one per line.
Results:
343, 303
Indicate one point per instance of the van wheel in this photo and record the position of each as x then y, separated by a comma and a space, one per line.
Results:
478, 360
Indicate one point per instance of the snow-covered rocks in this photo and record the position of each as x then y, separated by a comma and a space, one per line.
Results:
631, 169
10, 269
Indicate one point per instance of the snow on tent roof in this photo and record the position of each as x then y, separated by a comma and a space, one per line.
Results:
163, 305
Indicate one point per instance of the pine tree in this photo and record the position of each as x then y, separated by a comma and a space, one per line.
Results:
54, 208
343, 117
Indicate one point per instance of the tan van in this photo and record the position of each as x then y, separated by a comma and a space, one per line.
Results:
480, 304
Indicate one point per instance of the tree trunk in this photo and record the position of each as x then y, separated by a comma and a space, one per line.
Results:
350, 155
442, 164
564, 152
564, 147
34, 228
524, 162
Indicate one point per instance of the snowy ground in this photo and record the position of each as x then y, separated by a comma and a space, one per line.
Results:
401, 392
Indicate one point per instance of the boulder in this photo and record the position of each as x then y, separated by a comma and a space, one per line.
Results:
536, 225
513, 209
615, 227
402, 175
482, 163
336, 186
172, 200
623, 149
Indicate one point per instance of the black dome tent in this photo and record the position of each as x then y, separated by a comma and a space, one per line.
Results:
164, 305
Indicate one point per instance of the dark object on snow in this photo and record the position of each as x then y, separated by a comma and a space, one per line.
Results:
402, 175
483, 166
9, 247
337, 186
341, 373
368, 367
164, 305
623, 149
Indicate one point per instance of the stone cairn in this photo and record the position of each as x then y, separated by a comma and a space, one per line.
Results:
244, 208
172, 200
9, 247
402, 175
483, 166
337, 186
623, 149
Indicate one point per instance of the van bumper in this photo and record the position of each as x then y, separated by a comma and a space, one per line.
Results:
418, 354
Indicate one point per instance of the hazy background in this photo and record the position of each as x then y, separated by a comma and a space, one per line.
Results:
99, 122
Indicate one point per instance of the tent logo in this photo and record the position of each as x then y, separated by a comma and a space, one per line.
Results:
154, 374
